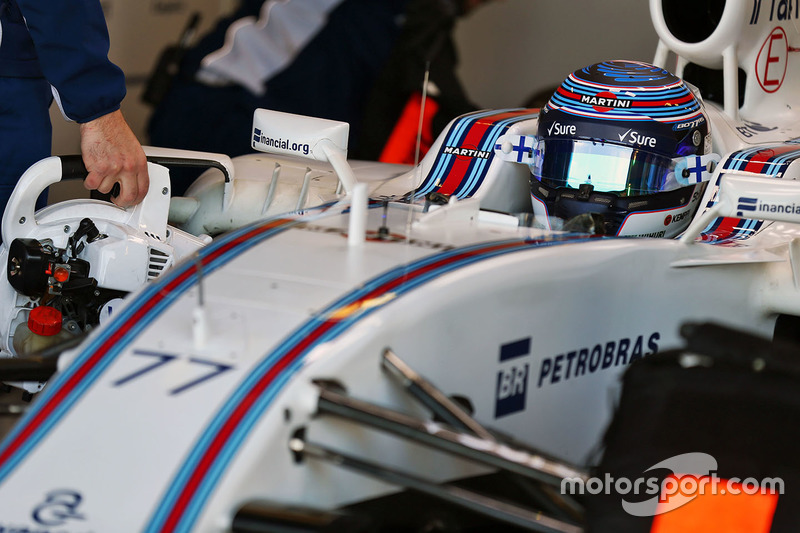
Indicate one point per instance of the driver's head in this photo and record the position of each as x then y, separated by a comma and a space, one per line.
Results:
609, 142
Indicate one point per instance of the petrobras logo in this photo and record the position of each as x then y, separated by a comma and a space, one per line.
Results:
466, 152
280, 144
754, 208
605, 101
590, 359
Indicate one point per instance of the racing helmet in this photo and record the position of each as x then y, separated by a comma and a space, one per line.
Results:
627, 143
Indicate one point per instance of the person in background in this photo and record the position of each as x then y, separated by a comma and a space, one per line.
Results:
390, 119
330, 59
59, 50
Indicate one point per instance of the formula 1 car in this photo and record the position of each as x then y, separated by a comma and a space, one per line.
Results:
306, 344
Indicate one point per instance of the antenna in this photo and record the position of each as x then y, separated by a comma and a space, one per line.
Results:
422, 110
416, 176
199, 318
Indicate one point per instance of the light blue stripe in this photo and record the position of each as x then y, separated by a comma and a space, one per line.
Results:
126, 313
220, 464
219, 419
190, 464
253, 376
781, 163
623, 92
452, 139
231, 447
469, 186
742, 158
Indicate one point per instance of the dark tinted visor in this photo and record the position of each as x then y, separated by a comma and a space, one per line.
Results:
609, 167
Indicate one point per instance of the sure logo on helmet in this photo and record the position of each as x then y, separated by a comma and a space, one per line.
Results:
561, 129
634, 137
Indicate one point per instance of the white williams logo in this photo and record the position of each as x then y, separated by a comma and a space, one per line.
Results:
633, 137
59, 507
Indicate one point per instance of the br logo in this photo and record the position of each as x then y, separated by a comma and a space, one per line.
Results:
512, 379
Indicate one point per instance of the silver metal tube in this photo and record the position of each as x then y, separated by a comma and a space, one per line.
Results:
486, 452
273, 184
498, 510
431, 397
301, 200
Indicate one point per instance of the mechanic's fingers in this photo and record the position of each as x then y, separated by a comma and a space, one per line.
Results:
95, 180
134, 183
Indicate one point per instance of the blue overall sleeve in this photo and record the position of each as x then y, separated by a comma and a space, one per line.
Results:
71, 42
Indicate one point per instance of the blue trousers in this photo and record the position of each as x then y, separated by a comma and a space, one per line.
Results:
25, 129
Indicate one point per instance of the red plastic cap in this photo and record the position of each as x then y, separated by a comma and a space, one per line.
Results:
61, 274
44, 320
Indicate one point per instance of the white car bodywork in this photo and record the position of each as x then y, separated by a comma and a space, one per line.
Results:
202, 389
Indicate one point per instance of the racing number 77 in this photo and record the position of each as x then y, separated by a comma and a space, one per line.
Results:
163, 359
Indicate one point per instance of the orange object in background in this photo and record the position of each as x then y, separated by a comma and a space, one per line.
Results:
719, 506
401, 147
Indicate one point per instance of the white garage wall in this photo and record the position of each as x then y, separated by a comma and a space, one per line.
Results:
513, 48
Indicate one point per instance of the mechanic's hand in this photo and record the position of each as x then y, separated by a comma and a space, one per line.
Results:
112, 154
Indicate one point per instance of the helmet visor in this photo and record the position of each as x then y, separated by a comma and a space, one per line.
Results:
608, 167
